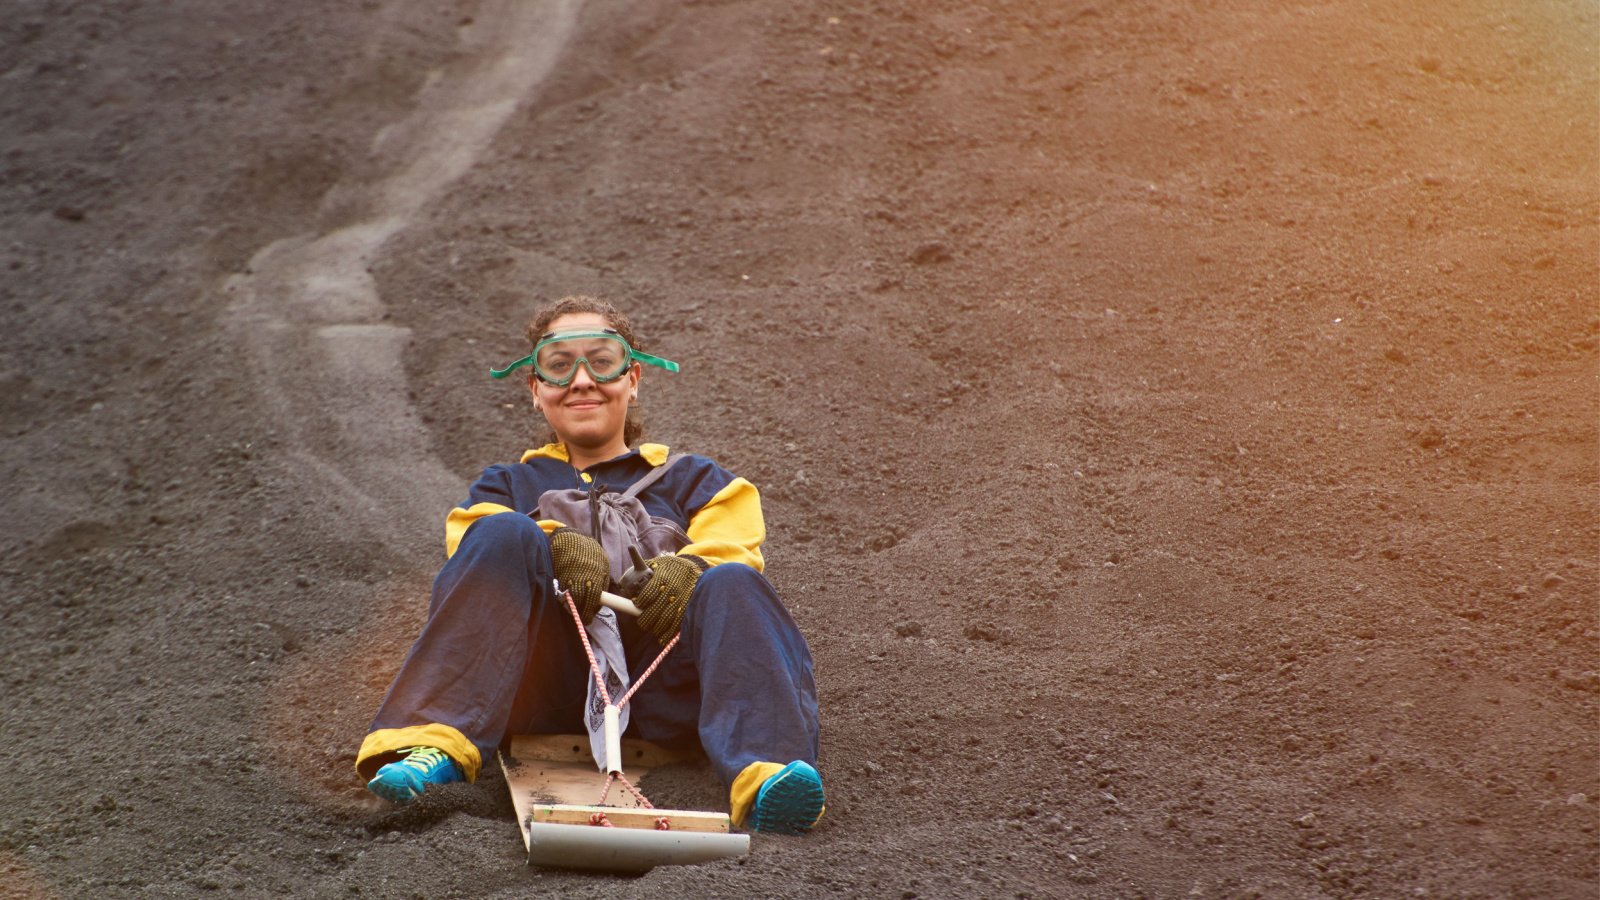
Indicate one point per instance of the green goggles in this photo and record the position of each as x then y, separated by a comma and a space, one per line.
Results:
555, 359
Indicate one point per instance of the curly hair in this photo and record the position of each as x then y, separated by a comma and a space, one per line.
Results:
633, 427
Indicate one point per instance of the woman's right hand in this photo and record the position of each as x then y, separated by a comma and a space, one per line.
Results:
581, 567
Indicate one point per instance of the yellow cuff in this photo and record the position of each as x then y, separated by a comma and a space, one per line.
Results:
745, 787
391, 740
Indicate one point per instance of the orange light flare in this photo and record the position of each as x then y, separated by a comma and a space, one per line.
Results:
315, 714
18, 880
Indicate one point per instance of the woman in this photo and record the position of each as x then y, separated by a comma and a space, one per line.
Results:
500, 654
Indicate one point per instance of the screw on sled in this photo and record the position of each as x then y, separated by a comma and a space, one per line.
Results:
552, 782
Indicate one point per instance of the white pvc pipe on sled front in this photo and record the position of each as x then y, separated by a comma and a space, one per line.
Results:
627, 849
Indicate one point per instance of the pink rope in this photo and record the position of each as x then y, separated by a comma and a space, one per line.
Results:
637, 795
594, 669
640, 680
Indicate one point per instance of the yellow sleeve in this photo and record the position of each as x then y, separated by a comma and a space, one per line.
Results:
729, 528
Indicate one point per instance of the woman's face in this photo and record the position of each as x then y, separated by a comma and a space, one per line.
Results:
585, 414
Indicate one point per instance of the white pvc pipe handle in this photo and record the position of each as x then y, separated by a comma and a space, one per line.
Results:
619, 603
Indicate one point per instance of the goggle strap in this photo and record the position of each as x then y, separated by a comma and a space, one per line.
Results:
656, 361
501, 373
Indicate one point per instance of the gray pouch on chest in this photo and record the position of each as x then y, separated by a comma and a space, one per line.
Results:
617, 519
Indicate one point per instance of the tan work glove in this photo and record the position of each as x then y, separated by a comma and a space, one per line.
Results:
581, 567
665, 596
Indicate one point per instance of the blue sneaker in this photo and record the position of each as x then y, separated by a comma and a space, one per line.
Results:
789, 802
404, 780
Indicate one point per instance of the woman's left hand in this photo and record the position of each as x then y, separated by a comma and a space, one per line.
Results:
665, 597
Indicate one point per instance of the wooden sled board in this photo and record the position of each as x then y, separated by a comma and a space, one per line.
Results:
554, 784
557, 768
678, 819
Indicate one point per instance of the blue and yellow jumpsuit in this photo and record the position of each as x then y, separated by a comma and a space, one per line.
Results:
500, 655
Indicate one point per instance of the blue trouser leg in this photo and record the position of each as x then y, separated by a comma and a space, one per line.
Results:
499, 648
740, 680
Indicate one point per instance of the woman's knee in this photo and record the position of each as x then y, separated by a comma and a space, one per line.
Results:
504, 556
731, 580
734, 589
507, 529
736, 610
503, 542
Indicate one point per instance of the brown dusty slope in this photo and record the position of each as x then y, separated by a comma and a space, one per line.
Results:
1177, 424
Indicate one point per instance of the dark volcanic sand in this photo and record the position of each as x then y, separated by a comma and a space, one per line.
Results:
1177, 421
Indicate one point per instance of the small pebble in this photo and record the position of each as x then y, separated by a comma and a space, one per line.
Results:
929, 253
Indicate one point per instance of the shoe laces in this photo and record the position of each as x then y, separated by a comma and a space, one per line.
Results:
423, 759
